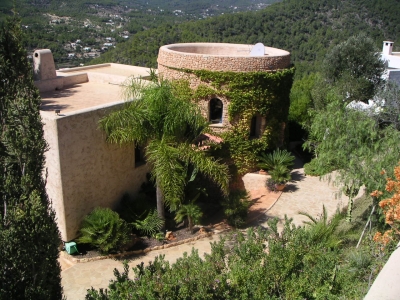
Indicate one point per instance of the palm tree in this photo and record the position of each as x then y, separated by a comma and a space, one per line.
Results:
166, 125
190, 211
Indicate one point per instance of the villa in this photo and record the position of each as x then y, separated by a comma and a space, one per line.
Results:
83, 171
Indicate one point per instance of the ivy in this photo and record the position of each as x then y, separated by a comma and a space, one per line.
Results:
249, 94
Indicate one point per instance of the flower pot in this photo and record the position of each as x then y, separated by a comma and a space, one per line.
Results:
280, 186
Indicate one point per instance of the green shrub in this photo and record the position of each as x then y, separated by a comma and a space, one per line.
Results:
236, 208
313, 168
149, 225
132, 209
190, 211
105, 230
239, 267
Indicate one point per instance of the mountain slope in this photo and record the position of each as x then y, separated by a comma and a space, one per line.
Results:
306, 28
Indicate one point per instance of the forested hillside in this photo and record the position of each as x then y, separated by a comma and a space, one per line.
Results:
306, 28
57, 24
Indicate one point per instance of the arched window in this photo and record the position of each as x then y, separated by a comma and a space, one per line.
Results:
216, 108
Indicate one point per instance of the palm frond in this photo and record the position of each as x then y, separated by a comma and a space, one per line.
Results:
168, 170
206, 165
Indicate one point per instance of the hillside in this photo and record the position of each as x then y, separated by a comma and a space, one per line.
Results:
101, 24
306, 28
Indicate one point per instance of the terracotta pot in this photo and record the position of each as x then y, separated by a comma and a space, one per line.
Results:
280, 186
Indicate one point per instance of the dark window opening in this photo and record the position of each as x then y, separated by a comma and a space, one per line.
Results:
255, 126
216, 108
139, 157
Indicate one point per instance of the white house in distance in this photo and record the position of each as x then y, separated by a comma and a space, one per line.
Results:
393, 61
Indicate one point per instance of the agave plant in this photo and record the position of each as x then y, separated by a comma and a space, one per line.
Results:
269, 161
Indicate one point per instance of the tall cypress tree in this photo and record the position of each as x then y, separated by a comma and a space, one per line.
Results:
29, 237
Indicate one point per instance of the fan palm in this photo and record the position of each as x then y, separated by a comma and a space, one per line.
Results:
166, 125
270, 161
190, 211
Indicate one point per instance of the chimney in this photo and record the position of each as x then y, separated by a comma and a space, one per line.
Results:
43, 65
387, 48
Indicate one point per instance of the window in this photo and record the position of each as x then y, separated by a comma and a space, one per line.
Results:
255, 126
139, 157
216, 108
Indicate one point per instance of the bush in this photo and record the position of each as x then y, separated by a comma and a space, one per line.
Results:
137, 208
295, 267
191, 212
236, 208
149, 225
105, 230
313, 168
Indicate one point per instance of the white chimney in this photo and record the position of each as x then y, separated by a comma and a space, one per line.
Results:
387, 48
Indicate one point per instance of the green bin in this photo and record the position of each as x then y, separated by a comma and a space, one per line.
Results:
71, 248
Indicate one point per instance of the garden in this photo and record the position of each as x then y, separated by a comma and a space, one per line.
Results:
329, 257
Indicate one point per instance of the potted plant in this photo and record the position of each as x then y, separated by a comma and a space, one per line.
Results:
279, 176
269, 161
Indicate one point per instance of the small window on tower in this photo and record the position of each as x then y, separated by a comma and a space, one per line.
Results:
216, 109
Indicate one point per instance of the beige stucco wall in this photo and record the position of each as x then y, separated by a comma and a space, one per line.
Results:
84, 171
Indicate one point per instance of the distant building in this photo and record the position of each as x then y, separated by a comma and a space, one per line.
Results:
392, 60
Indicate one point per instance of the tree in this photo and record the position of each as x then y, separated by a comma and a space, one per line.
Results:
190, 211
353, 69
351, 142
386, 107
167, 126
29, 237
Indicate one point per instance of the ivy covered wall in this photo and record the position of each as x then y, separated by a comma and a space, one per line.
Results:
248, 94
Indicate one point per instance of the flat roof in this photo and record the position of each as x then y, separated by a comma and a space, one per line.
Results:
221, 49
102, 85
80, 96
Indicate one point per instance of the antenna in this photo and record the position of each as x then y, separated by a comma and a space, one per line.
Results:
258, 50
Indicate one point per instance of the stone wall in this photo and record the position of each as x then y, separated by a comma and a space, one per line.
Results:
84, 171
212, 58
174, 59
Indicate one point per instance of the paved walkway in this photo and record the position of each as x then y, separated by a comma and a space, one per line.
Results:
304, 193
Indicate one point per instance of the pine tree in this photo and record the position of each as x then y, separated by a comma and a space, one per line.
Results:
29, 237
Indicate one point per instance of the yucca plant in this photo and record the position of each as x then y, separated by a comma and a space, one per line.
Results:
190, 211
149, 225
269, 161
105, 230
